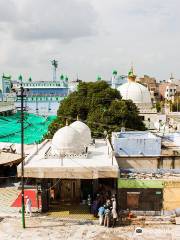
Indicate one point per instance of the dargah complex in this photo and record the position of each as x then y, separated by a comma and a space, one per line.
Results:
141, 169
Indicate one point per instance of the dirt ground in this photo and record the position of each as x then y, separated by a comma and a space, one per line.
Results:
53, 228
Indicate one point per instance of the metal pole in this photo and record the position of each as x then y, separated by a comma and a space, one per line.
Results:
22, 156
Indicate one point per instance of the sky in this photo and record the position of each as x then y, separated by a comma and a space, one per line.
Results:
89, 38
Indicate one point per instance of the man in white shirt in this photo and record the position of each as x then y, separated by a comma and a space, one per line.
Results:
28, 206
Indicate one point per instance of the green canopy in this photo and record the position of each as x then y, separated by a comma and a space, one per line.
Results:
35, 127
136, 183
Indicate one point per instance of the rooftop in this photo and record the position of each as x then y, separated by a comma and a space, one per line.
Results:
135, 135
98, 163
7, 158
136, 143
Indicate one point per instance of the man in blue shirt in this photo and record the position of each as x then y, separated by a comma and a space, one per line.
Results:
101, 214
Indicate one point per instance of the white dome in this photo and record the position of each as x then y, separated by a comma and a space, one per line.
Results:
135, 92
67, 140
84, 131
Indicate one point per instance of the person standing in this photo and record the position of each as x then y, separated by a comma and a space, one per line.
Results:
28, 206
101, 215
114, 212
107, 213
107, 216
95, 207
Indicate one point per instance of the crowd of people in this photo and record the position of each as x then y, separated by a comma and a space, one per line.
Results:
106, 210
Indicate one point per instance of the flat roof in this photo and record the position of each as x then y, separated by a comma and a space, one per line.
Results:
99, 163
136, 135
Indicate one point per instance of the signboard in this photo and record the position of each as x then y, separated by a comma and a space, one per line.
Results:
137, 183
158, 193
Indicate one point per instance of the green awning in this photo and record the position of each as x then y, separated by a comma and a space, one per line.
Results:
134, 183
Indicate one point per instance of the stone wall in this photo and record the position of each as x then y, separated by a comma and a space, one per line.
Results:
166, 162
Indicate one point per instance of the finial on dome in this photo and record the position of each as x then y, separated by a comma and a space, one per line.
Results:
131, 75
66, 122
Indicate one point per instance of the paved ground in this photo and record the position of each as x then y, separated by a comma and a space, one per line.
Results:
54, 228
8, 194
7, 197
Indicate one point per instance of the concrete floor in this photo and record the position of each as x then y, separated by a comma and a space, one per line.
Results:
54, 228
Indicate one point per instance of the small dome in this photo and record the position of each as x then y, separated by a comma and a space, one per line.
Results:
83, 130
136, 92
67, 141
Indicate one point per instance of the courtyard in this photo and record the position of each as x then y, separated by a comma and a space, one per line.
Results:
56, 228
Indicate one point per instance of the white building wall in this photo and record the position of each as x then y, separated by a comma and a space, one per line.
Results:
174, 137
137, 145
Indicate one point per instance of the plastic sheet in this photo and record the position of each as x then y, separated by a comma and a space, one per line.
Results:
34, 128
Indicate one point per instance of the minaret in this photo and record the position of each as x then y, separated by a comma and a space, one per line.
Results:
61, 80
113, 79
98, 78
171, 80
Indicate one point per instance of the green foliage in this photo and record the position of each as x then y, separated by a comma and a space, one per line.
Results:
176, 105
101, 107
158, 106
56, 124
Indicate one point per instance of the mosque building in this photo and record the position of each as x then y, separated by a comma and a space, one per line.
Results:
136, 92
72, 166
141, 96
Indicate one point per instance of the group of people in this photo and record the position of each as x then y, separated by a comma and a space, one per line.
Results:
106, 211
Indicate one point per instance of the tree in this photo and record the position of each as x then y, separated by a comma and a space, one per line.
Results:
101, 107
158, 106
176, 105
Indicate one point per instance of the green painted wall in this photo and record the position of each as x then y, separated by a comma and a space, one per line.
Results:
133, 183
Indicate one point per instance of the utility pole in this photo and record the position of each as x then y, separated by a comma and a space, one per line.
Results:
22, 152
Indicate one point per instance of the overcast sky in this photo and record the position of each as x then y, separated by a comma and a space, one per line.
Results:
89, 37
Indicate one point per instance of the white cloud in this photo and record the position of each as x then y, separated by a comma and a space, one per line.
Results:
90, 37
55, 19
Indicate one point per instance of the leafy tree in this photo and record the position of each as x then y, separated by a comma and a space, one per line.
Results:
158, 106
101, 107
176, 105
